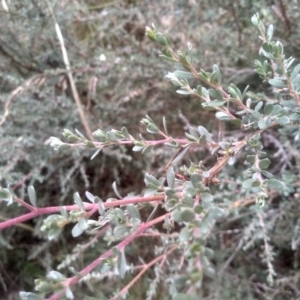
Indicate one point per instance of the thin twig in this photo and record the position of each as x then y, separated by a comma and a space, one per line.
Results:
70, 77
145, 268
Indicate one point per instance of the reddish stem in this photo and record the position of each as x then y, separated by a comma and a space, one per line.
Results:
73, 280
88, 206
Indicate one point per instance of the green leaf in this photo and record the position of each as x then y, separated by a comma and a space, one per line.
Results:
133, 211
78, 201
188, 200
176, 215
80, 134
183, 92
198, 209
270, 31
152, 128
101, 208
187, 215
216, 212
90, 196
181, 154
236, 122
80, 227
181, 296
283, 120
29, 296
125, 133
222, 116
170, 177
32, 195
295, 71
202, 131
202, 140
266, 174
278, 83
165, 125
258, 106
250, 159
213, 104
247, 184
262, 124
196, 179
96, 153
194, 132
255, 183
264, 163
206, 197
69, 293
115, 188
183, 75
274, 183
120, 230
120, 214
55, 276
185, 234
268, 109
122, 264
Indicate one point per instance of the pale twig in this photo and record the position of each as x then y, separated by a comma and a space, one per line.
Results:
145, 268
69, 282
71, 79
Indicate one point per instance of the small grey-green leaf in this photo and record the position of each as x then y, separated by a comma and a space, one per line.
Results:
255, 183
125, 132
182, 92
250, 159
247, 183
268, 109
101, 208
32, 195
274, 183
194, 132
96, 153
181, 154
90, 196
120, 230
152, 128
78, 201
80, 134
264, 163
222, 116
216, 212
183, 74
295, 71
278, 83
79, 228
187, 215
206, 197
165, 125
202, 130
120, 214
170, 177
56, 276
28, 296
266, 174
262, 124
195, 179
283, 120
115, 188
258, 106
133, 211
236, 122
270, 31
122, 264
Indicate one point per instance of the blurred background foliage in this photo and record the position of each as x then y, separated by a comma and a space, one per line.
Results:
120, 79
